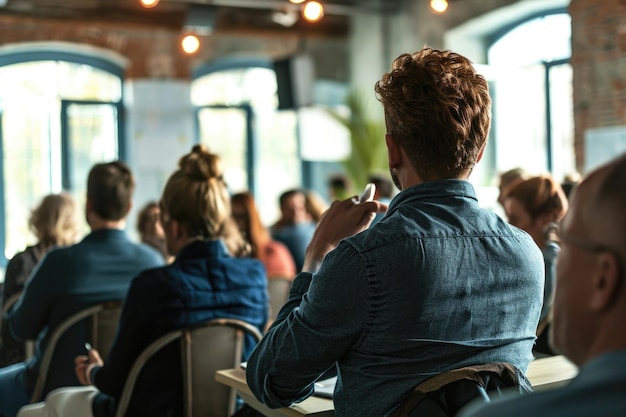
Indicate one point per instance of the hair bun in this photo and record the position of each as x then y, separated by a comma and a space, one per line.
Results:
200, 164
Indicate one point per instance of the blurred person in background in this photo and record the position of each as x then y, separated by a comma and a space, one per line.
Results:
509, 179
536, 205
204, 282
295, 227
274, 255
54, 222
150, 229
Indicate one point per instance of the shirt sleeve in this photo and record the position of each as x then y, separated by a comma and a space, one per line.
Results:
324, 317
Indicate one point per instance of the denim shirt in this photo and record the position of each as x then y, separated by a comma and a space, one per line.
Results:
439, 283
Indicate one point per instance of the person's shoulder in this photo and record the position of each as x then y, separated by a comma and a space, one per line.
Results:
515, 405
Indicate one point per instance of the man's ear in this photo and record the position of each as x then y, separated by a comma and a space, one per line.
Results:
393, 151
606, 283
481, 152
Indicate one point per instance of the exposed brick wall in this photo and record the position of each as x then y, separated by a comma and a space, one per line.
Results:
599, 65
152, 53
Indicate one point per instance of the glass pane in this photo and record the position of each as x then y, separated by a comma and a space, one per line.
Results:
544, 39
562, 117
223, 131
278, 166
92, 139
520, 119
27, 168
84, 82
63, 79
254, 86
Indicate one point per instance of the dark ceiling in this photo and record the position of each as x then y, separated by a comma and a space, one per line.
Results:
231, 15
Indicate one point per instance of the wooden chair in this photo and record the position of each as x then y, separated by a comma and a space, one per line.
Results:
29, 345
103, 319
278, 290
206, 348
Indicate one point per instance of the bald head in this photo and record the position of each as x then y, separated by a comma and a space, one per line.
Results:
590, 296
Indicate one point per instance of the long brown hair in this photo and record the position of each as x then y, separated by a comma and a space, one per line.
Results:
254, 231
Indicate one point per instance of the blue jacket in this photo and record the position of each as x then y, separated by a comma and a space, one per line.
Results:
437, 284
203, 283
99, 268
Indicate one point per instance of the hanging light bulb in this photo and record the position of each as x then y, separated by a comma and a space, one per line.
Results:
296, 1
148, 4
439, 6
190, 44
313, 11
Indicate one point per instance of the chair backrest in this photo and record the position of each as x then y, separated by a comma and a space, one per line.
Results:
278, 290
29, 345
206, 348
9, 302
102, 327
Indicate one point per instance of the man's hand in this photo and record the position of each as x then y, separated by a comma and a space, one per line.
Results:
84, 365
343, 218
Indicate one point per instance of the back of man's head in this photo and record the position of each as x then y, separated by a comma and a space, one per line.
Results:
590, 295
110, 189
438, 109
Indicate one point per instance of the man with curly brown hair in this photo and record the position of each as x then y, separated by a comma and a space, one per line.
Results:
440, 284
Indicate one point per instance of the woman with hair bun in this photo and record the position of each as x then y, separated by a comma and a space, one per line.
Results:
204, 282
536, 205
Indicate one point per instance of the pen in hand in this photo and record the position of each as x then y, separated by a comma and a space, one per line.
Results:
88, 347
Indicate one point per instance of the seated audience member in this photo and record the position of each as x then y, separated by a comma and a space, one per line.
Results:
589, 306
97, 269
150, 228
570, 181
204, 282
384, 193
54, 223
438, 285
535, 205
295, 227
274, 255
339, 187
510, 178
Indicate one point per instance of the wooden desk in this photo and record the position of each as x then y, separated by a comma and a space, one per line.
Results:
543, 373
312, 406
550, 372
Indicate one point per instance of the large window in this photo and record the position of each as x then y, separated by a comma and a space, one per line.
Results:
239, 120
57, 118
533, 114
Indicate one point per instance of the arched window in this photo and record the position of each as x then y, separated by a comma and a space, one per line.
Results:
237, 116
533, 104
59, 114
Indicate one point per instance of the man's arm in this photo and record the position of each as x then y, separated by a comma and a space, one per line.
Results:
323, 318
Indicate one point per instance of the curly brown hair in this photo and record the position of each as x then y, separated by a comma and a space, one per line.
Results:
438, 109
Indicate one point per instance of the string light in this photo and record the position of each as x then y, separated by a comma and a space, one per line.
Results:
190, 44
148, 4
313, 11
439, 6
